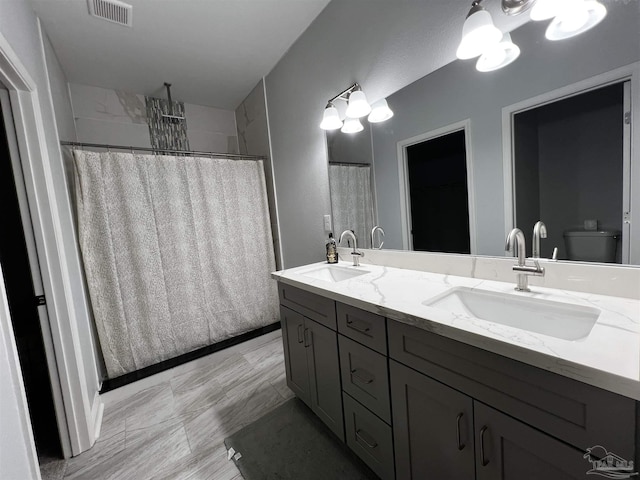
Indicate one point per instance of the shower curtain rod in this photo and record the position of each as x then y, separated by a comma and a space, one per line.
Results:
349, 164
162, 150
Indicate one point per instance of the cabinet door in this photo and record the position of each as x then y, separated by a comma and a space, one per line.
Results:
324, 375
432, 427
295, 353
507, 449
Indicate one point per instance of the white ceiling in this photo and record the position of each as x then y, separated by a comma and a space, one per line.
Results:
212, 51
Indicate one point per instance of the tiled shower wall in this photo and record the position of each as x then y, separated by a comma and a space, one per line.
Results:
253, 139
119, 118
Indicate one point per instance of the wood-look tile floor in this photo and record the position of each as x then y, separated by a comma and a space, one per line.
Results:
172, 425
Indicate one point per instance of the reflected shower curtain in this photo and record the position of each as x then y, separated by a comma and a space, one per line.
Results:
177, 252
352, 201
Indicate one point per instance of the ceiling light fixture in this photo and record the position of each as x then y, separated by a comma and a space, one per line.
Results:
478, 33
357, 107
498, 55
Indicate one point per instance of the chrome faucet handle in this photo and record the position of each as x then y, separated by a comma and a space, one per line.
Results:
555, 254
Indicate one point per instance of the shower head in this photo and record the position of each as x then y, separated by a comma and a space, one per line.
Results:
170, 117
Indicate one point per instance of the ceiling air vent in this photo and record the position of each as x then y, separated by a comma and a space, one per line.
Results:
111, 11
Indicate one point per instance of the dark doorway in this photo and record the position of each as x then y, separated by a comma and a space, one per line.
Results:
24, 311
438, 191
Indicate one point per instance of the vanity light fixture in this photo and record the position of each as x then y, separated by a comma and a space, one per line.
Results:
358, 107
570, 17
575, 18
498, 55
330, 118
478, 33
352, 125
380, 112
516, 7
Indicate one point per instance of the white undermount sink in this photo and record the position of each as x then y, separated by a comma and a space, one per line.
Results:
555, 319
333, 273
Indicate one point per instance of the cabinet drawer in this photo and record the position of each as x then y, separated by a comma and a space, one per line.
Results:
315, 307
369, 437
364, 327
365, 376
574, 412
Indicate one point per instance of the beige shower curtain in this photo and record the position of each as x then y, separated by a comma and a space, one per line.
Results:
352, 201
177, 252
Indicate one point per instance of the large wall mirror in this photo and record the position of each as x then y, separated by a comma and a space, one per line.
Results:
469, 155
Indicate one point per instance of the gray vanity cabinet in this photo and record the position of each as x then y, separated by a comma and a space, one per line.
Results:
324, 376
295, 353
311, 354
437, 429
507, 449
432, 428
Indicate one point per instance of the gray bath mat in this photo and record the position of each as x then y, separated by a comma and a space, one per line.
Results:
291, 443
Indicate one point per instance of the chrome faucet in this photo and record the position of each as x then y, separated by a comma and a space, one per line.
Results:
355, 253
516, 244
539, 231
373, 232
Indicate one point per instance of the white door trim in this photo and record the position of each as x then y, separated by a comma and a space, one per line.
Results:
628, 72
403, 174
82, 408
36, 275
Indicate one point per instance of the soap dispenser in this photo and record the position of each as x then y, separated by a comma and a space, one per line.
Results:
332, 250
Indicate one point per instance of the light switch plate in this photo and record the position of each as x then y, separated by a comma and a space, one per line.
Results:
327, 223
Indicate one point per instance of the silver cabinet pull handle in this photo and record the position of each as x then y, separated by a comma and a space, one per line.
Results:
351, 324
362, 435
483, 459
307, 342
460, 445
300, 334
355, 373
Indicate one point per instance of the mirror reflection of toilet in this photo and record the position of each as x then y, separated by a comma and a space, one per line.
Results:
592, 246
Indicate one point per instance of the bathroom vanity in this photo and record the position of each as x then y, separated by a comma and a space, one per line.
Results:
419, 389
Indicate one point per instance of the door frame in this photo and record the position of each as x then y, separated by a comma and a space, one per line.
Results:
403, 174
631, 73
82, 409
36, 274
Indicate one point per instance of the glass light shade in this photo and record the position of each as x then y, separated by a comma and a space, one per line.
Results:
583, 16
352, 125
499, 55
331, 119
380, 112
546, 9
358, 105
478, 34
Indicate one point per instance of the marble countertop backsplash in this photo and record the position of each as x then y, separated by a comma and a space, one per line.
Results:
609, 357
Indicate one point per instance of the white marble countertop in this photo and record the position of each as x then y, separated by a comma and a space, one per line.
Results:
609, 357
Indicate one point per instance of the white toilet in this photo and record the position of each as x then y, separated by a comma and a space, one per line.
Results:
591, 246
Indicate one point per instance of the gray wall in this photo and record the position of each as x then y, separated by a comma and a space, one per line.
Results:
382, 45
457, 92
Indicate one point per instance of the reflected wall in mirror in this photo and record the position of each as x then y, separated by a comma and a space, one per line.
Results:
546, 71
